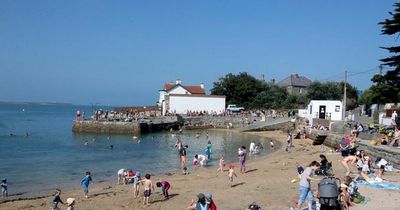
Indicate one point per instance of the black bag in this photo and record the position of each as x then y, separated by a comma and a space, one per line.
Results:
328, 192
254, 206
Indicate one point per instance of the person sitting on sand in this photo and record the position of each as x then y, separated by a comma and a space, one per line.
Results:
210, 201
136, 182
221, 164
345, 198
70, 203
305, 185
85, 182
231, 173
148, 186
201, 203
352, 186
121, 176
164, 187
56, 200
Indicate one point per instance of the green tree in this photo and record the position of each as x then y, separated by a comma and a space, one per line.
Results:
386, 87
324, 91
239, 89
272, 97
366, 97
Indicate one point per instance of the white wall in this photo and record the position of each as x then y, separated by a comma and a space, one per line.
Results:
303, 112
162, 97
330, 109
182, 104
178, 90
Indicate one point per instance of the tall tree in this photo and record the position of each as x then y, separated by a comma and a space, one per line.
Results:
239, 89
387, 87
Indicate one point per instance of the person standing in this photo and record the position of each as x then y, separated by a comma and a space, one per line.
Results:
242, 159
85, 182
305, 185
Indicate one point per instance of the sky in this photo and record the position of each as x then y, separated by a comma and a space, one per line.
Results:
122, 52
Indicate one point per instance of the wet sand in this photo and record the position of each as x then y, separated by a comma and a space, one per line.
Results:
267, 182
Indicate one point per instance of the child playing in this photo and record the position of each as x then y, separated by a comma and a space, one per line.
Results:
164, 187
221, 164
70, 203
56, 200
148, 186
85, 182
195, 162
136, 186
231, 174
4, 191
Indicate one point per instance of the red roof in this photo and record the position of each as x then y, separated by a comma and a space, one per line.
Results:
191, 89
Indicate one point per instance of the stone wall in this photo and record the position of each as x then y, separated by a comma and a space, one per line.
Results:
105, 127
389, 153
218, 121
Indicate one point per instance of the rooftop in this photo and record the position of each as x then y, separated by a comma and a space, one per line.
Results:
295, 80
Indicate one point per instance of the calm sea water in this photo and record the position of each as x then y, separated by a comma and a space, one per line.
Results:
52, 156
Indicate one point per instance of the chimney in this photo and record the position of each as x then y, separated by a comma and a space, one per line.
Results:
178, 82
202, 85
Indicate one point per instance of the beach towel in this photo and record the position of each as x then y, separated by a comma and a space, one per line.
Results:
380, 185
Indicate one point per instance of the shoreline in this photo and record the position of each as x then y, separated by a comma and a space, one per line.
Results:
267, 182
36, 192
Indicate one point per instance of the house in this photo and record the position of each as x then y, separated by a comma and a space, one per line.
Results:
323, 109
180, 99
295, 84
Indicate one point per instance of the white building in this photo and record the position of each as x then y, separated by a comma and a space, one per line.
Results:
324, 109
180, 99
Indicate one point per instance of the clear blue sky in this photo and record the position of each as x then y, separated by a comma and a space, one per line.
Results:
122, 52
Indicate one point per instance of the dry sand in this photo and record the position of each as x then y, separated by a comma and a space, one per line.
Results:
267, 182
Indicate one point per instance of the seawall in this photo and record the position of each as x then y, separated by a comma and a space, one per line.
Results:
332, 140
134, 127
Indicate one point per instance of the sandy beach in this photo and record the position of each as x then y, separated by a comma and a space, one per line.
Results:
267, 182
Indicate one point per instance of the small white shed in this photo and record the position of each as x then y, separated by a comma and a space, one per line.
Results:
325, 109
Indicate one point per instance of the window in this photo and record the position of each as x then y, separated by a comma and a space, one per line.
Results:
337, 108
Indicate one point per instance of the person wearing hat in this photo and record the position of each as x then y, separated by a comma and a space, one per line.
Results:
210, 201
201, 203
70, 203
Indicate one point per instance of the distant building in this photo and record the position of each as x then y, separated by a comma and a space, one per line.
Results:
323, 109
295, 84
180, 99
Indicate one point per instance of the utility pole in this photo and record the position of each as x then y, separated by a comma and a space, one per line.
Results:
345, 95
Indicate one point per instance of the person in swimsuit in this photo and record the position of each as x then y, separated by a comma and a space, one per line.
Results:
221, 164
136, 186
148, 186
182, 154
231, 174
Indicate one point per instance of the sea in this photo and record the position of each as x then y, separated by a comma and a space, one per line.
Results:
52, 156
